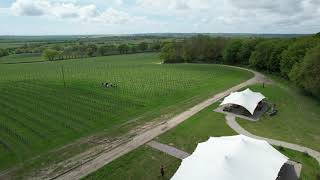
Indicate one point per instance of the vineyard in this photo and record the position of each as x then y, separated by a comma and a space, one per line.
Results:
45, 105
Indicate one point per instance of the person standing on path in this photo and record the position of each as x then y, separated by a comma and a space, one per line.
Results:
162, 170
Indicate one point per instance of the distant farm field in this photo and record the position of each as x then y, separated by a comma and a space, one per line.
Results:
21, 58
46, 105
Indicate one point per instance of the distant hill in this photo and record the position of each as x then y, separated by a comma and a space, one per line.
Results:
57, 38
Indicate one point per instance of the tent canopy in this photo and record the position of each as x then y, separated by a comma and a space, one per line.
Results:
247, 99
232, 158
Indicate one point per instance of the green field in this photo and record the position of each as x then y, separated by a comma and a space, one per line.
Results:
197, 129
21, 58
185, 136
143, 164
10, 45
38, 114
298, 119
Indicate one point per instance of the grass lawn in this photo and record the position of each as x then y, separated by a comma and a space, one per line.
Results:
21, 58
298, 119
144, 163
310, 167
196, 129
38, 114
207, 123
141, 164
186, 136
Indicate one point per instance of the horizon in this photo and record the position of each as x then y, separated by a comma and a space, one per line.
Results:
154, 33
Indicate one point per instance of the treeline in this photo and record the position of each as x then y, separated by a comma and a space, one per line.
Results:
296, 59
81, 50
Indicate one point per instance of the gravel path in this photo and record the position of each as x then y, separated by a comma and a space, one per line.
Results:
231, 121
172, 151
147, 136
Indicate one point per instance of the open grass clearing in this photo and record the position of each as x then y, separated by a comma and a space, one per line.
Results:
207, 123
21, 58
38, 114
186, 136
143, 163
297, 120
197, 129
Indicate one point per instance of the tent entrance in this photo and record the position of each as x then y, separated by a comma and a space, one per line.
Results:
242, 112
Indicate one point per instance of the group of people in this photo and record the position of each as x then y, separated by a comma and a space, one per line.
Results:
108, 84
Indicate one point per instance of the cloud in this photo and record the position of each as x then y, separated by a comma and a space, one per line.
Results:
112, 16
30, 7
174, 4
176, 15
69, 9
281, 6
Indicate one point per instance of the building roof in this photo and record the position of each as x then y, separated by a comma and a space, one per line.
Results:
232, 158
247, 99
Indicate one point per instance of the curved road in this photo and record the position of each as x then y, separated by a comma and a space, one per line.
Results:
231, 121
150, 134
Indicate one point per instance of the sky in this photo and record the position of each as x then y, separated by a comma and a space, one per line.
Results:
85, 17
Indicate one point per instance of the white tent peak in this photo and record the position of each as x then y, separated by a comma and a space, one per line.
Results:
232, 158
246, 98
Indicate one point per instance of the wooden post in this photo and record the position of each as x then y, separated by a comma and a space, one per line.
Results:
64, 82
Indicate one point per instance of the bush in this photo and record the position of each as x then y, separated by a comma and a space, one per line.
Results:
230, 53
196, 49
295, 54
172, 53
50, 54
267, 55
280, 148
306, 73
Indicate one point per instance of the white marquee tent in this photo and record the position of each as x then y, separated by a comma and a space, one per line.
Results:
247, 99
232, 158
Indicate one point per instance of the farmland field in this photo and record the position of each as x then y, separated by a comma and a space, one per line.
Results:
42, 108
21, 58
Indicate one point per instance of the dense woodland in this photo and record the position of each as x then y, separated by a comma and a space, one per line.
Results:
295, 59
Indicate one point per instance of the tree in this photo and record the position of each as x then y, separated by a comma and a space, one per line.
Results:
155, 46
260, 55
306, 73
246, 49
230, 53
273, 63
133, 48
203, 49
123, 48
50, 54
217, 48
295, 54
91, 50
143, 46
67, 52
102, 50
3, 52
57, 47
267, 55
172, 53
